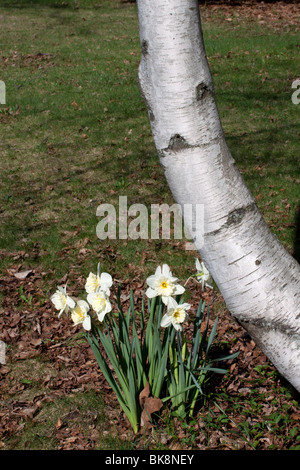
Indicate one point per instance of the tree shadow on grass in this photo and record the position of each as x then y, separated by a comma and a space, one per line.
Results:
39, 3
268, 140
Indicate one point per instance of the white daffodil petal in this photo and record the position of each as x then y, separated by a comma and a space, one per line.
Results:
151, 293
83, 305
198, 265
166, 270
87, 323
106, 279
107, 308
101, 316
58, 301
158, 271
185, 306
60, 313
70, 302
166, 321
104, 289
178, 289
90, 298
170, 302
166, 300
177, 326
151, 280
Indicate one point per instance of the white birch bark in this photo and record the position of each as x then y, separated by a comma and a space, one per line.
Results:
257, 277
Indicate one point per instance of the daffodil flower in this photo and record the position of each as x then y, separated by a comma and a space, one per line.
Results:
100, 303
176, 315
203, 274
79, 314
96, 281
62, 301
164, 284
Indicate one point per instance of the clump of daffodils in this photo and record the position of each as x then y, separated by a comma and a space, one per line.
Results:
161, 284
97, 287
135, 359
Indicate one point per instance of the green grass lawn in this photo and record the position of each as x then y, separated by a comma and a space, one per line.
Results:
75, 133
253, 71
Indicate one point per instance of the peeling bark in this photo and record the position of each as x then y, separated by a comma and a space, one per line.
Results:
259, 280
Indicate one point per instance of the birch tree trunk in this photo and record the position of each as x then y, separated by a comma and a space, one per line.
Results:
257, 277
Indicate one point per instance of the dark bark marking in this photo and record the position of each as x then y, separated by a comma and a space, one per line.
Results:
203, 90
237, 215
177, 143
151, 115
144, 47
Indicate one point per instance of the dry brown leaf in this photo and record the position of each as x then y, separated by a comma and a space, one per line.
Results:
28, 412
23, 274
144, 394
149, 406
59, 424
